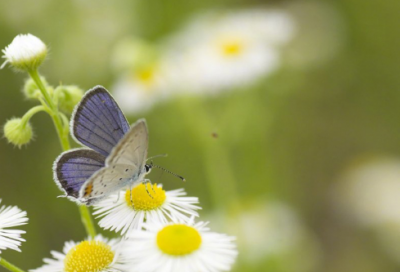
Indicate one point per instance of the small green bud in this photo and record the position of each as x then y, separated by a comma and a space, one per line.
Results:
31, 90
18, 132
68, 97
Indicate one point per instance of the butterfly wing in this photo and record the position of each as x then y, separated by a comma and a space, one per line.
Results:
132, 149
98, 122
105, 182
73, 168
124, 166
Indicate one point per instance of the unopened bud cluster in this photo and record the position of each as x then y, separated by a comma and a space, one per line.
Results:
26, 53
68, 97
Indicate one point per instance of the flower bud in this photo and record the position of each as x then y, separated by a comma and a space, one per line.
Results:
26, 52
68, 97
31, 90
18, 132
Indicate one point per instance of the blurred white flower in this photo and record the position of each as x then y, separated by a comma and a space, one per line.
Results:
138, 90
11, 216
218, 51
179, 247
26, 52
92, 255
132, 210
215, 52
271, 230
143, 75
369, 192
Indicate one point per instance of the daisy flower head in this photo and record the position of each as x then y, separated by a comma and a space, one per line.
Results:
145, 76
11, 216
145, 203
223, 50
179, 246
92, 255
26, 52
139, 90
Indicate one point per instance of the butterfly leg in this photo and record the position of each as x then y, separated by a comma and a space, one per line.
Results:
130, 194
145, 182
117, 199
152, 188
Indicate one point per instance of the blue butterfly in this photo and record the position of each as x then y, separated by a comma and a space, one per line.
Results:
117, 155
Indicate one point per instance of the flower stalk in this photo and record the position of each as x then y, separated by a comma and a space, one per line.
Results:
87, 220
9, 266
61, 123
61, 131
29, 114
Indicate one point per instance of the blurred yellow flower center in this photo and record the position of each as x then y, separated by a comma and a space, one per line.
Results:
232, 48
88, 256
145, 200
178, 239
146, 75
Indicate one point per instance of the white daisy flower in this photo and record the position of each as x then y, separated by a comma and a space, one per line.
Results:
139, 90
133, 209
145, 74
92, 255
11, 216
179, 246
26, 52
220, 51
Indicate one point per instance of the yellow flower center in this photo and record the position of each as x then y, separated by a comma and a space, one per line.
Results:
231, 48
178, 239
145, 200
88, 256
146, 75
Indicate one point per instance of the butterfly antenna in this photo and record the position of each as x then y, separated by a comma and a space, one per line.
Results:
159, 167
158, 156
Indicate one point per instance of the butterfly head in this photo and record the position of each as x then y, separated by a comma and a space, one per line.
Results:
148, 167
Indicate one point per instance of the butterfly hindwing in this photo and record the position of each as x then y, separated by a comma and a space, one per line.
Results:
106, 181
98, 122
124, 166
72, 169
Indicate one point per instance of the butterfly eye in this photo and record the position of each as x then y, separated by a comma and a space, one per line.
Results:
148, 168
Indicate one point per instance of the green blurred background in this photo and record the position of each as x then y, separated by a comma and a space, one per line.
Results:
287, 139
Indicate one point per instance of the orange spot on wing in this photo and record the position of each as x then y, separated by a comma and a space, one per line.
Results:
88, 189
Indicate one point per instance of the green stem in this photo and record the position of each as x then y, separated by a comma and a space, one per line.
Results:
61, 123
9, 266
87, 220
62, 135
35, 76
28, 115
